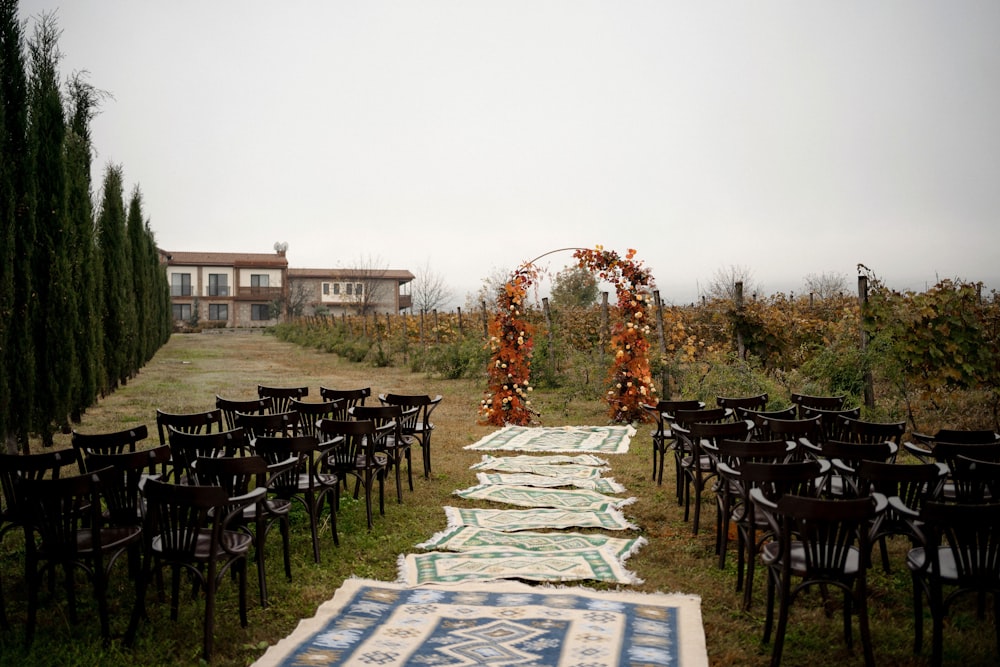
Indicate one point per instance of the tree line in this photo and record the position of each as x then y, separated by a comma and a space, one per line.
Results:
84, 299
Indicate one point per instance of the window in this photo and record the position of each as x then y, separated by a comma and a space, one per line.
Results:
336, 288
260, 312
180, 284
357, 289
182, 311
326, 289
259, 280
218, 284
349, 289
218, 311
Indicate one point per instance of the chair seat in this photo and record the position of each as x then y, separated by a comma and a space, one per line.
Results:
704, 463
771, 553
273, 507
111, 539
232, 543
916, 560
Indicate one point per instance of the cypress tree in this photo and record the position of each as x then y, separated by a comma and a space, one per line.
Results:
18, 235
140, 282
116, 280
54, 321
84, 261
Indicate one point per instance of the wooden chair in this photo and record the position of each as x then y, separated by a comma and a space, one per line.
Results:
232, 407
185, 528
806, 433
830, 420
757, 417
310, 482
351, 397
758, 402
819, 542
857, 430
189, 422
683, 418
961, 552
270, 425
281, 396
399, 444
698, 466
663, 439
361, 455
821, 402
421, 427
845, 458
63, 527
186, 447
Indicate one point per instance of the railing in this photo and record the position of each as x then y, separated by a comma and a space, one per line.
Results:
268, 293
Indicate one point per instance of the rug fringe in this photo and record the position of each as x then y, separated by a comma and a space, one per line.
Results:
437, 537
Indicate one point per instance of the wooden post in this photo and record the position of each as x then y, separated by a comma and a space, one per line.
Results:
421, 328
461, 333
869, 388
605, 328
548, 323
486, 323
665, 378
406, 337
437, 328
740, 348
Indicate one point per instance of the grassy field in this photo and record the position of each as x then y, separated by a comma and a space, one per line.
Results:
191, 369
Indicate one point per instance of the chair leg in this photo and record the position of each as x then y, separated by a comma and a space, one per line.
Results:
769, 615
918, 616
779, 635
866, 637
284, 528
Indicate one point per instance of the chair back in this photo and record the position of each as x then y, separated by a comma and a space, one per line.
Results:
735, 453
269, 425
705, 416
113, 442
311, 413
662, 413
189, 422
796, 430
57, 510
758, 417
827, 532
276, 451
251, 406
424, 403
912, 484
857, 430
181, 516
831, 420
126, 470
975, 480
281, 396
351, 397
186, 447
971, 532
361, 441
821, 402
777, 479
17, 467
758, 402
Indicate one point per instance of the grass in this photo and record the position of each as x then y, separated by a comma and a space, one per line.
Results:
191, 369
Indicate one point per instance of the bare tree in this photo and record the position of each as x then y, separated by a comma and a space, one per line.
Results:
826, 285
429, 291
723, 283
293, 305
368, 285
488, 290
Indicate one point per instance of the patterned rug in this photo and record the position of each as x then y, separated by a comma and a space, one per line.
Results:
470, 538
437, 567
566, 470
528, 462
604, 439
508, 521
599, 484
528, 496
503, 623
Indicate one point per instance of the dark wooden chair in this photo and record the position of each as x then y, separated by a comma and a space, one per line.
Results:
858, 430
758, 402
819, 542
845, 457
186, 447
683, 418
270, 425
421, 427
113, 442
698, 467
185, 529
281, 396
757, 417
63, 528
239, 476
663, 438
975, 480
14, 468
351, 397
251, 406
310, 482
311, 413
399, 444
806, 433
961, 553
830, 420
361, 455
188, 422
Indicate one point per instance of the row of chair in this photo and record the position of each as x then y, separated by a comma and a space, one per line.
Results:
812, 489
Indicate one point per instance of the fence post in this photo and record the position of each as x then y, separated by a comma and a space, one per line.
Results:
665, 378
869, 389
437, 328
486, 323
406, 335
740, 349
461, 332
605, 330
421, 327
548, 324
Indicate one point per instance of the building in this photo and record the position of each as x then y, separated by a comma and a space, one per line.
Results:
226, 289
350, 291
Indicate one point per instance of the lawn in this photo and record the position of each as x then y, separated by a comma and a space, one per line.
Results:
190, 370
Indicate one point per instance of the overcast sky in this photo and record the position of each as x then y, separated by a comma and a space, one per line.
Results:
791, 138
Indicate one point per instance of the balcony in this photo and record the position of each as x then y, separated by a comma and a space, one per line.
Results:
258, 293
405, 301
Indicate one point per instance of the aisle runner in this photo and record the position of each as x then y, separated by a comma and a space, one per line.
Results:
537, 519
500, 623
471, 538
528, 462
605, 439
599, 484
527, 496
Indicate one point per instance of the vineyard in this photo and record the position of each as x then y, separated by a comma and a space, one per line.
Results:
931, 358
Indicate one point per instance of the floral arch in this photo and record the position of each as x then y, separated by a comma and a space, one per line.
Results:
511, 341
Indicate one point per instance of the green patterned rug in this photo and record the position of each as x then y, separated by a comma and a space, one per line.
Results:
498, 623
438, 567
599, 484
471, 538
528, 462
508, 521
527, 496
603, 439
566, 470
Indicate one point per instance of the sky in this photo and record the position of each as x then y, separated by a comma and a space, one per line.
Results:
459, 137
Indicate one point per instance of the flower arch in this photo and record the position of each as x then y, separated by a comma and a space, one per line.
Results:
630, 381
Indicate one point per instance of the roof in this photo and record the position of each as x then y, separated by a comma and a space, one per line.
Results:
398, 275
225, 259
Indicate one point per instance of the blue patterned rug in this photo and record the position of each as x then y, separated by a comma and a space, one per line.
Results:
501, 623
